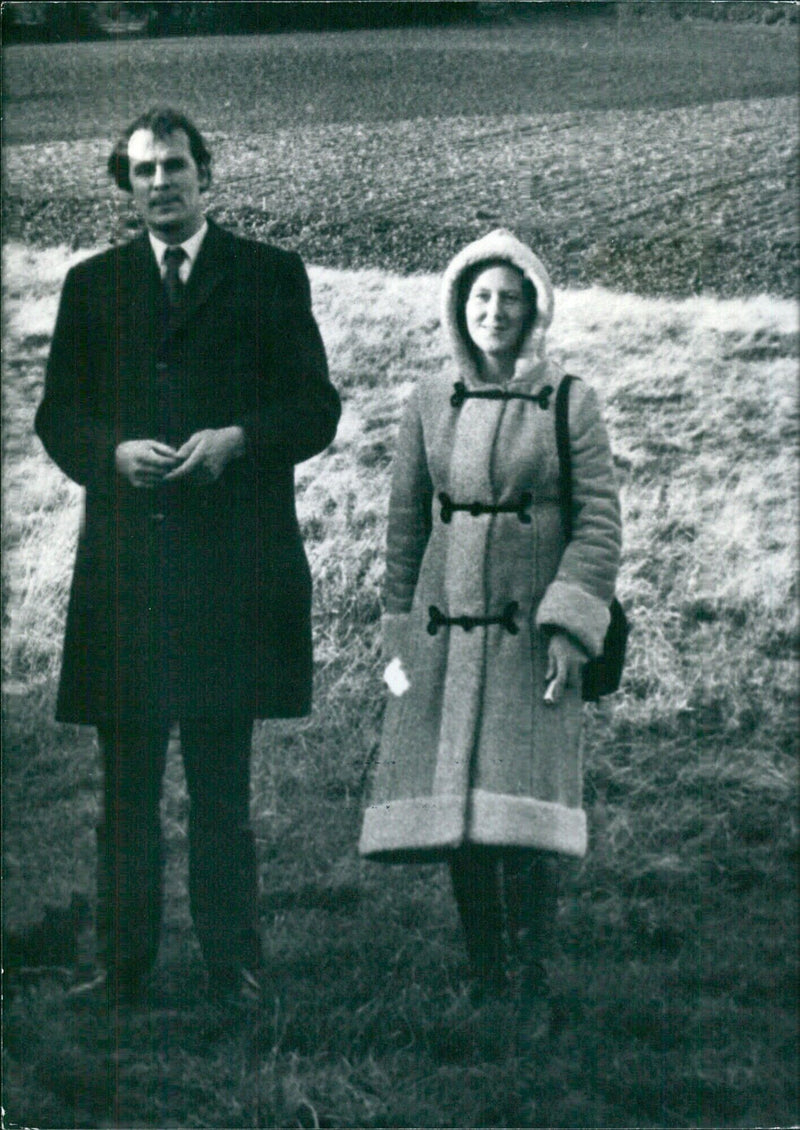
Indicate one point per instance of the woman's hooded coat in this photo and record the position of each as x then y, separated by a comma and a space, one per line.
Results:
470, 752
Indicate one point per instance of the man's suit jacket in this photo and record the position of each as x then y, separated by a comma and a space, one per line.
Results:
189, 599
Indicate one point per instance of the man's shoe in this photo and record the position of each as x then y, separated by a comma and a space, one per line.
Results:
487, 982
108, 990
88, 990
235, 986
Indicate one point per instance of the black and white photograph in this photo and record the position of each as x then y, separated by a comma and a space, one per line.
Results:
400, 528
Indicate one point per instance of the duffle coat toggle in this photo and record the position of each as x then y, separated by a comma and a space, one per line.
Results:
462, 393
475, 509
439, 620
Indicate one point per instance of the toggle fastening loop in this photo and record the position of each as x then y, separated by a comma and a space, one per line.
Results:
462, 393
438, 620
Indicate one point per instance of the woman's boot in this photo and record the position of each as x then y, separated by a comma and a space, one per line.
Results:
531, 893
476, 885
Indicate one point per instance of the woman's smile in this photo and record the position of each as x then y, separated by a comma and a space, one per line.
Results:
495, 310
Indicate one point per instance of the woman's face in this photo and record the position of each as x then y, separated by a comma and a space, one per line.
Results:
495, 311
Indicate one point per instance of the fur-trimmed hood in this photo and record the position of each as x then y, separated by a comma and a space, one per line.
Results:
498, 244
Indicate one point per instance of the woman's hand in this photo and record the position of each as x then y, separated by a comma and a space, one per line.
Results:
565, 661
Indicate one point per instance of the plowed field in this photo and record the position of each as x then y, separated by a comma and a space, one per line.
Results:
660, 161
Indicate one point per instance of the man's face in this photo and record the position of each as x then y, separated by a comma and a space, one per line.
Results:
166, 184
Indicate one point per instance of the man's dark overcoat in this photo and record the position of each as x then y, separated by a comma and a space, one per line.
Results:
195, 598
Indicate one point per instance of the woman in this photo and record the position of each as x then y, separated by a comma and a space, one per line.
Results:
489, 615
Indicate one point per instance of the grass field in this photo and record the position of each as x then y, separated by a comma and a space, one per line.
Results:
678, 973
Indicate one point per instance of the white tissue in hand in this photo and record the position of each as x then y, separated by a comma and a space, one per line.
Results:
395, 678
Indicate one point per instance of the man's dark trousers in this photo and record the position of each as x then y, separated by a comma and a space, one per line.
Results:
223, 887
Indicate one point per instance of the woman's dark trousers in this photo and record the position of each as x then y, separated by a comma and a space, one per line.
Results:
223, 884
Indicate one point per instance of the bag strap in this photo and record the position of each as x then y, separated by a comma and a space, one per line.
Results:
564, 453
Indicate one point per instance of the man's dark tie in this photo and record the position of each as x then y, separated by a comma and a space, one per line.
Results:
173, 284
172, 295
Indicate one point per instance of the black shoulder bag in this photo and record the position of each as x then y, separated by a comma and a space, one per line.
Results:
601, 676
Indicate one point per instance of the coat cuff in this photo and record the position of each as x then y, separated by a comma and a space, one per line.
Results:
574, 610
394, 630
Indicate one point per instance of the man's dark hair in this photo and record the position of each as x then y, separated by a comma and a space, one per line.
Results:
161, 121
464, 286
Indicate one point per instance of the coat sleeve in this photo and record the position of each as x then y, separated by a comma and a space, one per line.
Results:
298, 417
577, 599
68, 420
409, 517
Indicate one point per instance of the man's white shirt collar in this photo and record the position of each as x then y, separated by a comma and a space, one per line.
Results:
191, 246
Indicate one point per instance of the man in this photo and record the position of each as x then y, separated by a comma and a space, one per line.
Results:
186, 377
